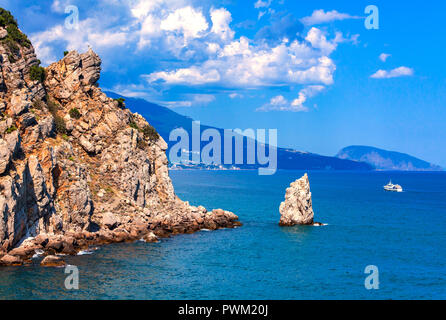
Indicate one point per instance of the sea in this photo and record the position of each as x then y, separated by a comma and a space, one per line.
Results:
374, 245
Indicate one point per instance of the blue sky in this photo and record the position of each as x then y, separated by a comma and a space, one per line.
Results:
308, 68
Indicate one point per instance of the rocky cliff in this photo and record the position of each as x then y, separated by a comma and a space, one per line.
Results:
76, 167
297, 209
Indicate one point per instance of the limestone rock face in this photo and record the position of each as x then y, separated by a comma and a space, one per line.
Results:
75, 165
297, 208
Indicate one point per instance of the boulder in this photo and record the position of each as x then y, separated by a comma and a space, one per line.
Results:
54, 244
52, 261
9, 260
69, 249
121, 235
41, 239
28, 120
150, 237
297, 209
22, 252
109, 220
91, 64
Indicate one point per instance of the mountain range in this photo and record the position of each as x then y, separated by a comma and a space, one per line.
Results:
386, 160
350, 158
165, 120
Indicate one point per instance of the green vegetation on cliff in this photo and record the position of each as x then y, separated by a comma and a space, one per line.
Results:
15, 37
75, 113
37, 73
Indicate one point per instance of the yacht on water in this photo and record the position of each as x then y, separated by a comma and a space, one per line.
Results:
393, 187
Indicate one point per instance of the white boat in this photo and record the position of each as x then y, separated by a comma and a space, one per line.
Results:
393, 187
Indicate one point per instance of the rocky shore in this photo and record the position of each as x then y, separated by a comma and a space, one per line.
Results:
71, 243
77, 168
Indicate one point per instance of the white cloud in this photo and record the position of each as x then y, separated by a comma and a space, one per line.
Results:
261, 14
264, 8
142, 8
235, 95
244, 64
182, 30
280, 103
394, 73
165, 24
196, 100
262, 4
213, 48
203, 98
86, 35
202, 47
59, 5
318, 40
188, 21
341, 39
384, 56
150, 28
237, 47
192, 76
221, 18
134, 91
107, 39
320, 17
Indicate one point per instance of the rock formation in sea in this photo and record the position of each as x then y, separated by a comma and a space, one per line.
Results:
76, 167
297, 209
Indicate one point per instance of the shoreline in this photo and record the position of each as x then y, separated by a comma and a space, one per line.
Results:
72, 243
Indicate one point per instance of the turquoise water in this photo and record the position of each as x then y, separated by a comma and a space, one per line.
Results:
403, 234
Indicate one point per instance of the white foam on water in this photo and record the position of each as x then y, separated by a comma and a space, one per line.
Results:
320, 225
85, 252
37, 253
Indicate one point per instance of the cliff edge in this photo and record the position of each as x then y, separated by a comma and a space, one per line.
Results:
76, 167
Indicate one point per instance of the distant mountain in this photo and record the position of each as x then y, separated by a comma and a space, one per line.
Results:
386, 160
165, 120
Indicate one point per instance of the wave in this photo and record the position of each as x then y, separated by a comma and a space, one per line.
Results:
320, 224
37, 253
87, 252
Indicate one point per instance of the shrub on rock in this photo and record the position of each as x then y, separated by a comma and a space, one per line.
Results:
37, 73
75, 114
121, 102
150, 133
60, 124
